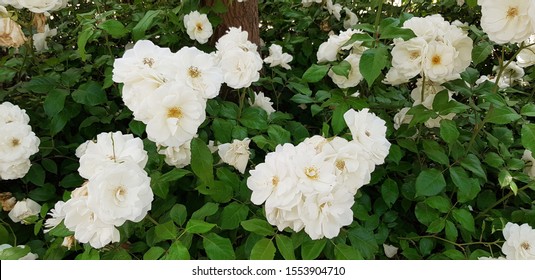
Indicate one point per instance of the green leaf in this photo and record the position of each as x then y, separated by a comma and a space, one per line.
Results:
528, 136
55, 101
232, 215
137, 127
430, 182
311, 249
372, 63
255, 118
60, 231
206, 210
263, 250
302, 99
364, 240
389, 192
113, 27
83, 38
202, 163
436, 226
154, 253
481, 52
177, 251
315, 73
502, 115
451, 231
166, 231
14, 253
217, 247
44, 193
425, 214
449, 131
338, 122
278, 134
342, 69
178, 213
198, 226
138, 32
286, 246
468, 187
465, 219
440, 203
4, 235
528, 110
222, 130
174, 175
392, 32
472, 163
219, 7
36, 175
346, 252
435, 152
90, 93
258, 226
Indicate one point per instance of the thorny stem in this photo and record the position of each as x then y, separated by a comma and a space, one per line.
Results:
377, 21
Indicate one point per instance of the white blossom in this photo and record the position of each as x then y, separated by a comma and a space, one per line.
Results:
519, 242
390, 251
110, 149
354, 76
236, 153
507, 21
277, 57
56, 216
198, 26
262, 102
39, 39
24, 209
120, 193
11, 34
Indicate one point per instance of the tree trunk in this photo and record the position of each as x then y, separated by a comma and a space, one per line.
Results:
244, 14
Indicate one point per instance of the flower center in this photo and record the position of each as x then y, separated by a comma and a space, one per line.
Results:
436, 59
148, 61
512, 12
120, 194
414, 55
199, 26
15, 142
312, 172
174, 112
275, 181
525, 246
340, 164
194, 72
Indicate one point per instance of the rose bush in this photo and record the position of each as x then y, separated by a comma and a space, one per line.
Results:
353, 130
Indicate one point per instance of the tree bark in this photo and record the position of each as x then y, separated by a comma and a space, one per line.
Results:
244, 14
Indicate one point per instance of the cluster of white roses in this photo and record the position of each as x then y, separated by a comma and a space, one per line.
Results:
168, 91
336, 44
118, 190
312, 186
17, 142
440, 51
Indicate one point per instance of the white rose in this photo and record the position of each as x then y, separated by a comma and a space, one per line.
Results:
262, 102
236, 153
199, 71
519, 242
507, 21
353, 78
277, 57
11, 34
24, 209
39, 39
120, 193
198, 27
240, 68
